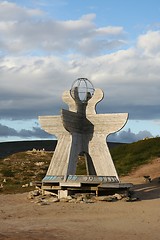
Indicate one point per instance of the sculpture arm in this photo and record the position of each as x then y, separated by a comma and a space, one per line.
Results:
108, 123
52, 124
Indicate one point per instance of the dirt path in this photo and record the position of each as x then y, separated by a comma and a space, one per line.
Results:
23, 219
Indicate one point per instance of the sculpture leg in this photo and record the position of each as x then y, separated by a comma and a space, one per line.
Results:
75, 149
101, 157
80, 144
58, 164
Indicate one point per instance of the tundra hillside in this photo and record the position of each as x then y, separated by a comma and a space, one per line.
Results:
20, 171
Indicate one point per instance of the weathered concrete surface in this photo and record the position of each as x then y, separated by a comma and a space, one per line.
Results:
82, 130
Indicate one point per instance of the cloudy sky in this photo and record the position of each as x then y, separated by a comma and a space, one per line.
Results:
46, 44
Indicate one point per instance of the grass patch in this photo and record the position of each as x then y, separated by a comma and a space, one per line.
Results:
27, 167
23, 168
130, 156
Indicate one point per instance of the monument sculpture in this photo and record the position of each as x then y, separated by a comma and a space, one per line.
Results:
81, 130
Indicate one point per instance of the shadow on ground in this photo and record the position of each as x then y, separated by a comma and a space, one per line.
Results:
148, 191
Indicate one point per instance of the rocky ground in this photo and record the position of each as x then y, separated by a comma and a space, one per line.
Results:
24, 216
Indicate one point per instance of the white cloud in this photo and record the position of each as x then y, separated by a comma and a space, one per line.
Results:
25, 30
122, 136
150, 43
10, 11
37, 132
41, 57
110, 30
129, 137
130, 84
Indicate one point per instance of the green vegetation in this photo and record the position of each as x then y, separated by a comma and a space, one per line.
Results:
23, 169
81, 166
26, 168
127, 157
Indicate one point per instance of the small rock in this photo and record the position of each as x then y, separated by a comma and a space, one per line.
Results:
128, 199
117, 196
63, 200
79, 198
30, 195
45, 192
109, 198
88, 201
36, 192
73, 200
54, 200
25, 185
38, 200
43, 203
69, 197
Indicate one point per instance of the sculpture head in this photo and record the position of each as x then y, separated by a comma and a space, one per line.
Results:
82, 90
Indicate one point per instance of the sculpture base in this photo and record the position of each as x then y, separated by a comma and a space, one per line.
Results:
100, 185
80, 178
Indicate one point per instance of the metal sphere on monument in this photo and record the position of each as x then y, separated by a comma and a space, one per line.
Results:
82, 89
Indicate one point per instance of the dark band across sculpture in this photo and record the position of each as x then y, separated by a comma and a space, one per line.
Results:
81, 130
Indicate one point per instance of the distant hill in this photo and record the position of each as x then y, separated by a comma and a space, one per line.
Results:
27, 165
7, 148
130, 156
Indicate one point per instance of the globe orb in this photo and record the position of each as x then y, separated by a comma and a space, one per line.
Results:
82, 90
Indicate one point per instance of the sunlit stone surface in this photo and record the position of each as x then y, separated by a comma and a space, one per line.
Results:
81, 130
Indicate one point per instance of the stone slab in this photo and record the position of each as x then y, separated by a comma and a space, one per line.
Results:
70, 184
81, 179
115, 185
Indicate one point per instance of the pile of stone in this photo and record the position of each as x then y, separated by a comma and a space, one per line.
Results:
47, 198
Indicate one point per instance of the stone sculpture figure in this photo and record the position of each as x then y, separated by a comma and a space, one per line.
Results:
80, 129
